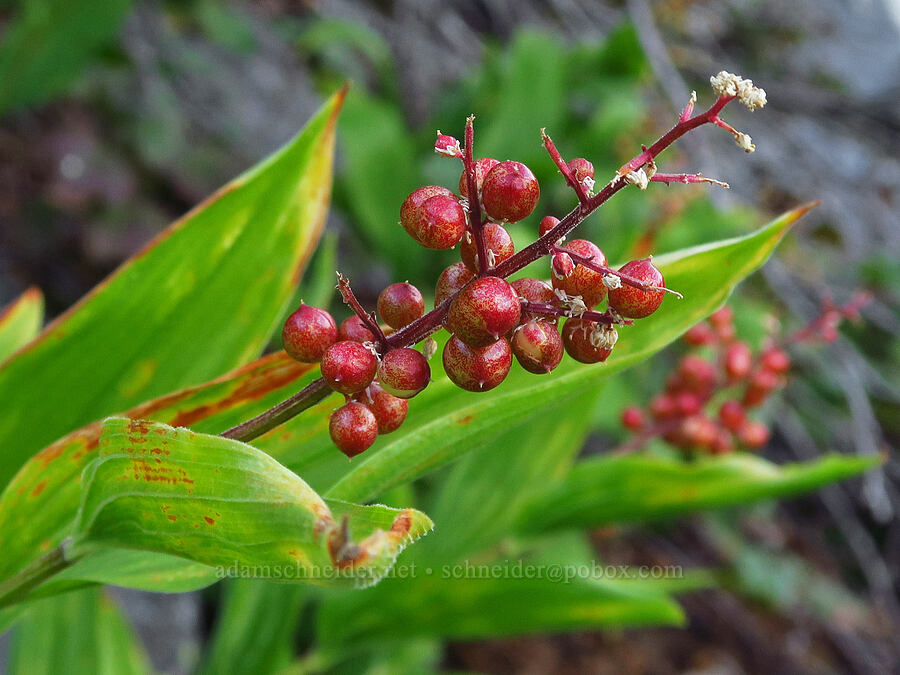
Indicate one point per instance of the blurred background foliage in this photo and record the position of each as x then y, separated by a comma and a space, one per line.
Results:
115, 117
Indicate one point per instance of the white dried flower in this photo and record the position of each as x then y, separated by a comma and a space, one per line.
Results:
639, 178
612, 281
744, 142
574, 303
604, 336
429, 348
729, 84
588, 183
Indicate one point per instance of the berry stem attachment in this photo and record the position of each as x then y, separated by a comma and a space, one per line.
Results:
563, 167
476, 222
368, 319
627, 279
549, 309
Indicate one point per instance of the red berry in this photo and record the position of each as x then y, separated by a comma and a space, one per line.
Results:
447, 145
775, 360
307, 333
762, 383
582, 169
633, 418
699, 335
583, 281
687, 403
451, 281
663, 407
497, 242
738, 361
510, 192
724, 443
537, 346
753, 434
439, 223
722, 318
414, 200
699, 431
389, 410
348, 367
400, 304
404, 372
353, 428
483, 311
561, 266
534, 290
695, 374
635, 303
482, 167
477, 368
588, 341
547, 224
732, 415
353, 328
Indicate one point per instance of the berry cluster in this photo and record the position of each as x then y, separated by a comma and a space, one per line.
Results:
372, 361
705, 404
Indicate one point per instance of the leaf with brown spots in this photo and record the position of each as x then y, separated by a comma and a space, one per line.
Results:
227, 505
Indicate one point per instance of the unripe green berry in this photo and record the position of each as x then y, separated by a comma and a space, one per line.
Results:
583, 281
635, 303
477, 368
510, 192
400, 304
483, 311
348, 367
353, 428
537, 346
497, 243
307, 333
404, 372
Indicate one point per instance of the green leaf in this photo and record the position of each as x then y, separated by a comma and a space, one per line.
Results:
632, 488
255, 629
202, 298
50, 43
82, 632
226, 504
20, 322
492, 602
445, 421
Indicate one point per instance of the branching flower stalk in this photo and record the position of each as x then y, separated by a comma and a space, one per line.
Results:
478, 356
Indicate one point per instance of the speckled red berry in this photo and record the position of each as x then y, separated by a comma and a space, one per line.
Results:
348, 367
404, 372
583, 281
547, 224
561, 266
497, 242
483, 311
390, 411
534, 290
482, 167
451, 281
582, 169
439, 223
415, 199
537, 346
732, 415
510, 192
400, 304
307, 333
737, 361
633, 418
581, 343
753, 434
447, 146
635, 303
353, 428
353, 328
477, 368
775, 360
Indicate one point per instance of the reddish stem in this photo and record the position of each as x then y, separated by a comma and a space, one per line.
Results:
475, 220
564, 168
368, 319
549, 309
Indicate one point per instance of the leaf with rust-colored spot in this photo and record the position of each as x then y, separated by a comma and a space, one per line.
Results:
225, 504
20, 322
202, 298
